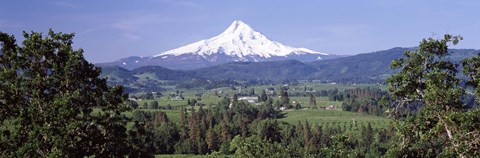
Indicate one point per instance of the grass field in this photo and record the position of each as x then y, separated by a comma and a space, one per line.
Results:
318, 116
173, 115
333, 118
165, 100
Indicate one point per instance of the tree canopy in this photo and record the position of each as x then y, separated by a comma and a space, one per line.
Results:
444, 126
53, 102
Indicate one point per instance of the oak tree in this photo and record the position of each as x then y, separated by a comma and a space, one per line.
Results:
48, 93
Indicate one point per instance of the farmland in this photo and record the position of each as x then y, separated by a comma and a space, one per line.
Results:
314, 116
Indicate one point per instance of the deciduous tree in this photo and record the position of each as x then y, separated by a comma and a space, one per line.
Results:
48, 93
444, 127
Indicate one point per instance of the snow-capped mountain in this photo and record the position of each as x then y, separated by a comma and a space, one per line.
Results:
239, 42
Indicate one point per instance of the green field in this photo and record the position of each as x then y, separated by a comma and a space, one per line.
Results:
314, 116
333, 118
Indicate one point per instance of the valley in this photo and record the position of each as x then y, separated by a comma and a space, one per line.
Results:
181, 105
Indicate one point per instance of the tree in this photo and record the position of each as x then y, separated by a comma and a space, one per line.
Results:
256, 147
212, 139
285, 100
145, 105
132, 104
298, 105
141, 141
154, 105
313, 102
235, 99
471, 68
263, 96
251, 92
444, 127
47, 96
165, 137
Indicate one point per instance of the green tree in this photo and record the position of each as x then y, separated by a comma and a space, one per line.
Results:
165, 137
285, 100
342, 146
141, 141
154, 105
263, 96
47, 96
313, 102
471, 68
251, 92
235, 99
444, 127
256, 147
132, 104
298, 105
212, 139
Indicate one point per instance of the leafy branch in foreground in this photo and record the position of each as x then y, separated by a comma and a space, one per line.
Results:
444, 126
48, 93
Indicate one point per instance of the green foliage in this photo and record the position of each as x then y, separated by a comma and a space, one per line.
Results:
132, 104
47, 95
284, 99
256, 147
154, 105
263, 96
342, 146
366, 100
141, 141
312, 102
444, 127
471, 68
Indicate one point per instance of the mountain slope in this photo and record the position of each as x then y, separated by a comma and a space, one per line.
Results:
238, 43
241, 41
362, 68
162, 73
271, 70
370, 67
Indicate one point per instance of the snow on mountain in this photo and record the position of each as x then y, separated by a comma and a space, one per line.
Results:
238, 40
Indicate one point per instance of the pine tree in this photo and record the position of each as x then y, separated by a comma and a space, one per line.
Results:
307, 133
263, 96
212, 139
285, 100
251, 92
235, 100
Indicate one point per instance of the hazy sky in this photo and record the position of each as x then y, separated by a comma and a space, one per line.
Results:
111, 29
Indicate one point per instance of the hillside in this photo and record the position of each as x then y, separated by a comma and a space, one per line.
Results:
362, 68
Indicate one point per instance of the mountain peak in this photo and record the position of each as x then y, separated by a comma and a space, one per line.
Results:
241, 41
238, 25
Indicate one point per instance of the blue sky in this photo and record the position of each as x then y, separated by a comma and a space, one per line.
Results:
111, 29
